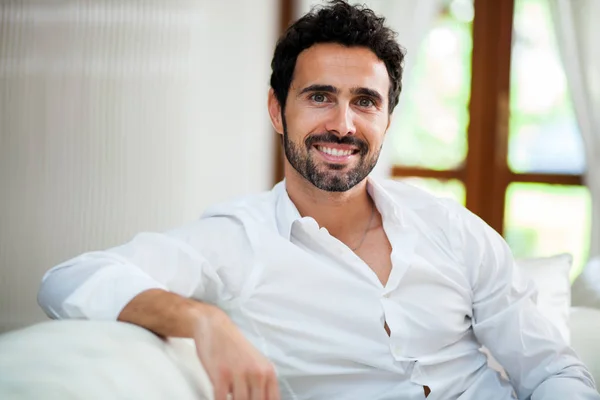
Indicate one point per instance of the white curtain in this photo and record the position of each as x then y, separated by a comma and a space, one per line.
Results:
412, 19
578, 37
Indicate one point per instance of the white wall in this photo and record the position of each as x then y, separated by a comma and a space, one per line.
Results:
117, 117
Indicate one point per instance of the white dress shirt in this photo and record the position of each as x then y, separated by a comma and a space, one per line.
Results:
317, 311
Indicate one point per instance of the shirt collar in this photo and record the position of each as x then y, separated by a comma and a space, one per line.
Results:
287, 213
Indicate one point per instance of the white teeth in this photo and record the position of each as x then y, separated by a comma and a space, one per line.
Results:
335, 152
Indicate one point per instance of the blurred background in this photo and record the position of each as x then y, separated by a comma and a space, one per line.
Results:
117, 118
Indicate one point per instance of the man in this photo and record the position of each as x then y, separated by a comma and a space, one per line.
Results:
333, 285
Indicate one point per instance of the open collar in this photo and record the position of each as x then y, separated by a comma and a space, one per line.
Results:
287, 213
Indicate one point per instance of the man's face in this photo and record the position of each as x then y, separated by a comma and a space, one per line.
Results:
336, 115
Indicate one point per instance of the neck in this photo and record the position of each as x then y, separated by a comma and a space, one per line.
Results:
341, 213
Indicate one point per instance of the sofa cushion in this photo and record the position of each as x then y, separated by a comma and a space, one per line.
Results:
585, 330
98, 360
586, 288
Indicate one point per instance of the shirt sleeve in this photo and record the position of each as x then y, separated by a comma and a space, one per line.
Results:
98, 285
538, 361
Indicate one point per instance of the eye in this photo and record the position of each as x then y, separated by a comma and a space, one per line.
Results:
365, 102
318, 98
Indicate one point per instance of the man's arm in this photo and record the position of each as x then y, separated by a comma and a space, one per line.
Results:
149, 282
168, 314
539, 363
231, 362
97, 285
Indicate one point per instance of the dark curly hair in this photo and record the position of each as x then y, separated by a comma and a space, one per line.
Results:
345, 24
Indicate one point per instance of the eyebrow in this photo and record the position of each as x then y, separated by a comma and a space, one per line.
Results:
319, 88
332, 89
367, 92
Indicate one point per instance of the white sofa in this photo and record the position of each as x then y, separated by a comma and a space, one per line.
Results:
111, 360
91, 360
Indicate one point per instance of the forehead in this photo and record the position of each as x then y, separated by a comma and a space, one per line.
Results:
340, 66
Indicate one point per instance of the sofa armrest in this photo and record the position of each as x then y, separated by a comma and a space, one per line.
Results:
585, 337
98, 360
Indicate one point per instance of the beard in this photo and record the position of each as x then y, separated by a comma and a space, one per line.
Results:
329, 176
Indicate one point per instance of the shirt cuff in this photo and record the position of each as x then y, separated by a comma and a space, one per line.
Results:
106, 293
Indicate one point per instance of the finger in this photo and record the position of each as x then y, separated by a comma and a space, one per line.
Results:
258, 387
221, 389
241, 390
273, 389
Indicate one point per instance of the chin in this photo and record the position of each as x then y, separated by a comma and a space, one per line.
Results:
333, 183
336, 167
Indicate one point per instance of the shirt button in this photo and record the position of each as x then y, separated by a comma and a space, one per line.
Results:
397, 350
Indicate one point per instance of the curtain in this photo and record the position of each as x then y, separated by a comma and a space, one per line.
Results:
412, 20
578, 35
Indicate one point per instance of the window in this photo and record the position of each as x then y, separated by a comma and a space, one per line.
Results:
543, 218
429, 138
490, 123
432, 130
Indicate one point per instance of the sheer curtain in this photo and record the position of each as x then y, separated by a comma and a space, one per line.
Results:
578, 35
412, 20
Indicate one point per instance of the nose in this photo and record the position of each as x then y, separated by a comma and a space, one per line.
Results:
341, 121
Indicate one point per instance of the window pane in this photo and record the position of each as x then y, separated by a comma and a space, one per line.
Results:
544, 136
453, 188
544, 220
430, 128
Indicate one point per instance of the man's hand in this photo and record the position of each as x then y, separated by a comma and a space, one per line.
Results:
233, 365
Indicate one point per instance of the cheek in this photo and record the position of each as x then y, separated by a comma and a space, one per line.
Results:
373, 130
306, 121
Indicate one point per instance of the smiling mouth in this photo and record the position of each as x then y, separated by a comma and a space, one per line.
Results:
335, 153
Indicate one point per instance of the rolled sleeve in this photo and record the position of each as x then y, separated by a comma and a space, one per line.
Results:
98, 285
102, 296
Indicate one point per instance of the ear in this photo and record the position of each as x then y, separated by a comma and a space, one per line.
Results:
275, 112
